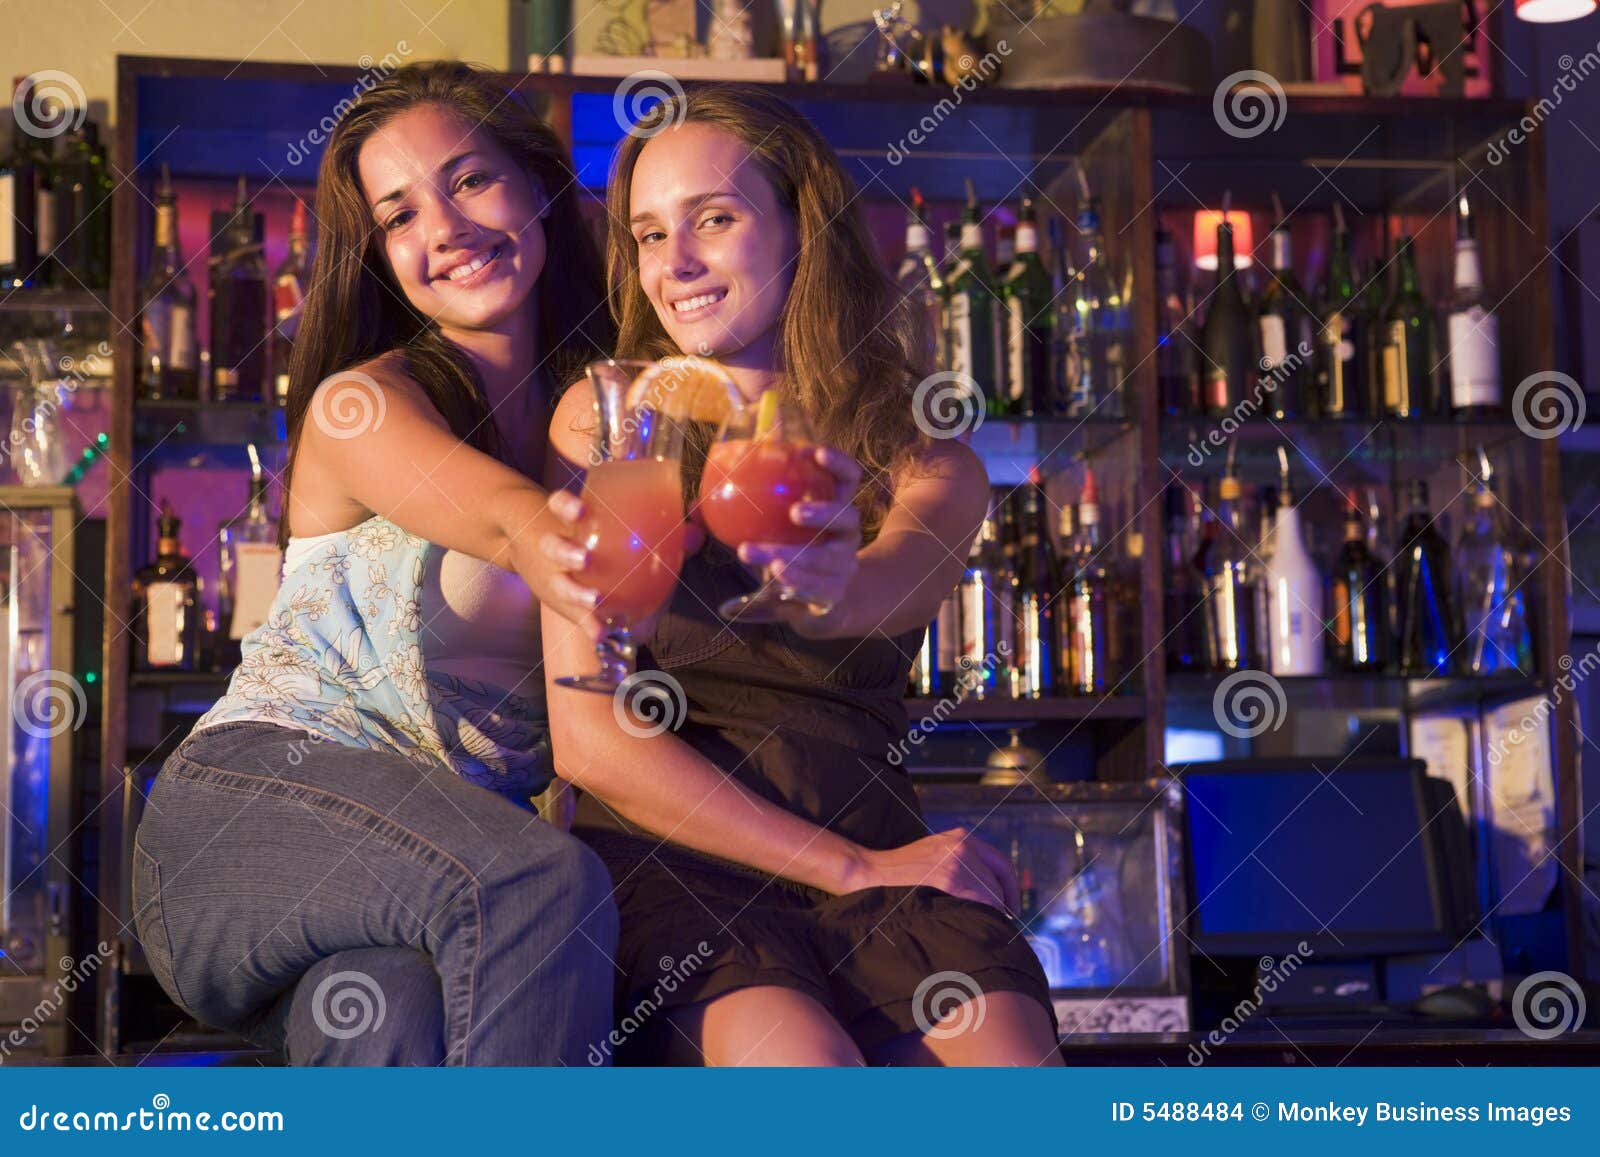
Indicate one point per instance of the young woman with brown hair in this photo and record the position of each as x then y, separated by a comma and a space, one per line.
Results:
767, 841
347, 836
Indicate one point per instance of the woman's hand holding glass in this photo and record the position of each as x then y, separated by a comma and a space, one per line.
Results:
783, 502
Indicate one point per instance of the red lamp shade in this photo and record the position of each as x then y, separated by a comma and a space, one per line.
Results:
1554, 11
1205, 238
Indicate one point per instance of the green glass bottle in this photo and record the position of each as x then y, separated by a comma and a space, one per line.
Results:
1339, 343
1025, 293
1410, 361
972, 313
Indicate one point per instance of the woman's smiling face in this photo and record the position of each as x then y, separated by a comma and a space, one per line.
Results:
716, 248
460, 221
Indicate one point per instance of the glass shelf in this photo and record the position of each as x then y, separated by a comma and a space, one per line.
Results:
204, 433
1002, 713
53, 300
1381, 691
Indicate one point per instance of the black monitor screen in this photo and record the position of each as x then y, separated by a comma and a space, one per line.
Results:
1342, 856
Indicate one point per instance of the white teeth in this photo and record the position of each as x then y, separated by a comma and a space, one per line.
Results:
696, 302
472, 266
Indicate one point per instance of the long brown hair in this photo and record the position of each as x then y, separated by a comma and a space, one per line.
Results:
848, 343
355, 310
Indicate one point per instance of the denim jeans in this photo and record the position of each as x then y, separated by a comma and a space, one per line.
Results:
351, 907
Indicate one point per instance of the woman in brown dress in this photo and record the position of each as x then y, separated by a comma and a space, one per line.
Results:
782, 900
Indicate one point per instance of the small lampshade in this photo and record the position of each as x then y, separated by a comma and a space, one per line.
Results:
1554, 11
1205, 238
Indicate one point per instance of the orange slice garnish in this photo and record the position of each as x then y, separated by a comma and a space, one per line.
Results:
693, 388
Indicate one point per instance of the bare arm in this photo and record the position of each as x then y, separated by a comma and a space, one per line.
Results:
663, 785
372, 443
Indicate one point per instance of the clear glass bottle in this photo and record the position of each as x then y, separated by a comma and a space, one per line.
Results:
1342, 385
1184, 627
165, 607
1294, 591
1229, 582
918, 277
250, 567
1101, 324
1177, 377
1490, 588
1086, 624
987, 615
168, 366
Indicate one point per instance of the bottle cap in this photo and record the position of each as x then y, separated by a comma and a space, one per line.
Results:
1229, 490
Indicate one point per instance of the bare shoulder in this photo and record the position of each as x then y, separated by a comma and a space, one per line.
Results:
365, 396
949, 462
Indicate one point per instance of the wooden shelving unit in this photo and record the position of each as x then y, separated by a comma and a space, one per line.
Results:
1146, 154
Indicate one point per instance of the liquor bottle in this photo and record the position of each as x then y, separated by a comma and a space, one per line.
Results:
165, 607
250, 567
20, 194
1103, 336
1177, 377
1228, 365
1294, 584
1473, 330
987, 618
1125, 613
1229, 586
947, 642
1358, 636
1068, 374
1410, 385
1005, 248
1285, 329
1341, 387
919, 280
167, 353
1026, 294
288, 295
83, 194
1036, 584
44, 200
1490, 589
972, 312
1085, 625
1184, 625
1427, 631
947, 270
238, 309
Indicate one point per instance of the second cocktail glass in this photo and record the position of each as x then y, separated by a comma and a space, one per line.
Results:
763, 462
633, 525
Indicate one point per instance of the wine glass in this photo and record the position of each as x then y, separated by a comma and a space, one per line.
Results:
633, 525
763, 461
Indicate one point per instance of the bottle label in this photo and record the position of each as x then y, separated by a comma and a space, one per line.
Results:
1396, 390
947, 636
286, 296
1274, 341
257, 567
8, 239
961, 335
1336, 336
1468, 273
1016, 337
1474, 358
180, 338
46, 221
164, 623
1027, 238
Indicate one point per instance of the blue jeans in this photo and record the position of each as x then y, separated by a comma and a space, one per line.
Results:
350, 907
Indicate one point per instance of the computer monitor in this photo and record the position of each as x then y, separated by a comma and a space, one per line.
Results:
1355, 857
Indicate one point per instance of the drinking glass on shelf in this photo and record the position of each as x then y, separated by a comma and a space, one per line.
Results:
763, 462
633, 525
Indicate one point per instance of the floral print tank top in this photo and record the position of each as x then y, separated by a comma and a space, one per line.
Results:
340, 656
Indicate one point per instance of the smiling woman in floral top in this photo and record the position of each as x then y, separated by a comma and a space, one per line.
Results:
350, 825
